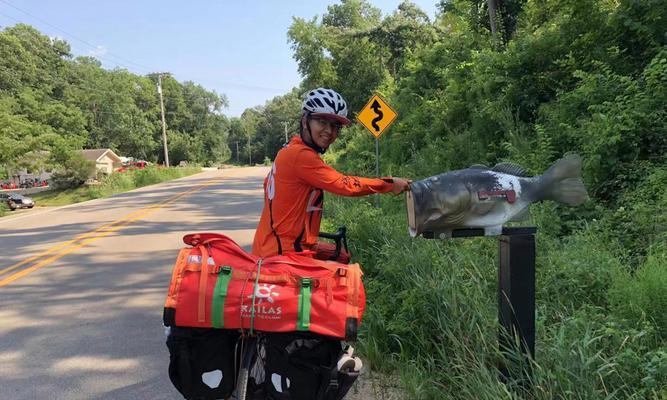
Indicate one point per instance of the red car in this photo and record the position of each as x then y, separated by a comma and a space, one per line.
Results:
132, 165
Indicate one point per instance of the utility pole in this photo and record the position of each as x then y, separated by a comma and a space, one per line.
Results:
249, 152
237, 152
286, 124
164, 124
492, 19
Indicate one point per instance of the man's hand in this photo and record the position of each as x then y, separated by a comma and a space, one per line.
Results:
401, 185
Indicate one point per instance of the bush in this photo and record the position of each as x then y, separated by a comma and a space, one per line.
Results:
117, 181
152, 175
640, 220
121, 182
642, 295
571, 274
75, 170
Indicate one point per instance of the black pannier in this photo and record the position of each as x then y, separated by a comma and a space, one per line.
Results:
302, 366
201, 362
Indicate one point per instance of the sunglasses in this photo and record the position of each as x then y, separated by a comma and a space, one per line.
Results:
335, 126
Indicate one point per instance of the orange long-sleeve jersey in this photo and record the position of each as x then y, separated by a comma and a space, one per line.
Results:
293, 198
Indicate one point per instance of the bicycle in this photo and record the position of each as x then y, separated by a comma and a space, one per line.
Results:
346, 364
247, 357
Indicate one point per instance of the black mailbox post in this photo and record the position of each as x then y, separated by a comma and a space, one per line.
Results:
516, 292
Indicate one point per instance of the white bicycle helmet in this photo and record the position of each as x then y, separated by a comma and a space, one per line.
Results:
326, 103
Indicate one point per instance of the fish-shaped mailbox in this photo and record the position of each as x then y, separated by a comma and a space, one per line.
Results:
486, 198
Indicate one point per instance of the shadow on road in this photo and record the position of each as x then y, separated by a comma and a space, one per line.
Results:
204, 210
116, 304
96, 331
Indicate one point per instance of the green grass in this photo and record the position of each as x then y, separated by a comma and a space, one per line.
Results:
431, 315
61, 197
110, 185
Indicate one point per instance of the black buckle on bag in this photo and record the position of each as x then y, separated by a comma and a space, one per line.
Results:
333, 383
225, 269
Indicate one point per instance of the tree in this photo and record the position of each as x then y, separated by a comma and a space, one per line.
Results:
73, 169
280, 117
250, 120
46, 96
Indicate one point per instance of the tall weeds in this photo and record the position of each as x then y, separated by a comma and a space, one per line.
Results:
431, 314
122, 182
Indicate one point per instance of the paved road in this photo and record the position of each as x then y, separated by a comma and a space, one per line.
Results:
82, 287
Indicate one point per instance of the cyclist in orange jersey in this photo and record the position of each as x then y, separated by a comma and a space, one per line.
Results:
294, 188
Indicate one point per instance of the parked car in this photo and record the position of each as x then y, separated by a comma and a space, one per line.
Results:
132, 165
15, 200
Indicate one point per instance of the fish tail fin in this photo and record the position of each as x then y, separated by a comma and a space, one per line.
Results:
563, 183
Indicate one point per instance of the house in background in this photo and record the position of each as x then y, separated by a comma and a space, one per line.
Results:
106, 161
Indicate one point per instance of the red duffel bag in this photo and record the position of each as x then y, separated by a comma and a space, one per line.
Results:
216, 284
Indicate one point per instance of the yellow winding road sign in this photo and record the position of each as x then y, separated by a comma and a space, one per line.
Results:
376, 116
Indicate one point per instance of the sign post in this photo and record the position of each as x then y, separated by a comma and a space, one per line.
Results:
377, 169
376, 116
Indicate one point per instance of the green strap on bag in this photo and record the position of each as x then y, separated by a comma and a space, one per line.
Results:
219, 296
303, 317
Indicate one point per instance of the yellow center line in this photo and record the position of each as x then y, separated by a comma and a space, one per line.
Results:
89, 237
65, 244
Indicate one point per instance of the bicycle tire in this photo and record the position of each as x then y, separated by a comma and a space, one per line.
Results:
244, 371
242, 384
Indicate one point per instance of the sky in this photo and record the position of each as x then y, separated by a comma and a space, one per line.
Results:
235, 48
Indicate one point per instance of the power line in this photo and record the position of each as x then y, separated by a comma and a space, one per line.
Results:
12, 18
74, 48
75, 37
240, 85
85, 88
100, 57
150, 70
166, 97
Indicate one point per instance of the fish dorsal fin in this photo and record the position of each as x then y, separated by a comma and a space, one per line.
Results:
510, 168
479, 166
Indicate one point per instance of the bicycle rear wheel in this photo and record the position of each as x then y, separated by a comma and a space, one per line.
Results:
242, 385
249, 350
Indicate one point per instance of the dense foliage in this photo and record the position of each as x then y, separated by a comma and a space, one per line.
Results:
52, 103
584, 76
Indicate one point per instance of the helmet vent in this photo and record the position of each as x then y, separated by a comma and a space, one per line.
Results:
325, 101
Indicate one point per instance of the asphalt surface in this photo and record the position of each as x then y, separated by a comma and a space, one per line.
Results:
82, 287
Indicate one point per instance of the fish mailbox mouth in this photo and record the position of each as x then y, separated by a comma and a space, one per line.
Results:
415, 202
430, 202
410, 203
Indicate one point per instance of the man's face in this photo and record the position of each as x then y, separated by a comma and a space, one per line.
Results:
324, 131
